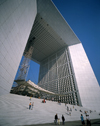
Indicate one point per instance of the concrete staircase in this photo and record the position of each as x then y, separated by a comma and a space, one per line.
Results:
14, 111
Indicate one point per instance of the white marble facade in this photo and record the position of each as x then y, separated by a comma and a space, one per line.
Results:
16, 20
88, 86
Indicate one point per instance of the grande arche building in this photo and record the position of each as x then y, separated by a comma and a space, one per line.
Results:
64, 66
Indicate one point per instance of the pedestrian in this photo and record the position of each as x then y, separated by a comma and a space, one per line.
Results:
52, 99
70, 113
30, 98
30, 105
63, 120
82, 120
88, 120
58, 121
67, 108
56, 118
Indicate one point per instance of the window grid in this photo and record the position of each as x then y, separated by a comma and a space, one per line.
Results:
56, 75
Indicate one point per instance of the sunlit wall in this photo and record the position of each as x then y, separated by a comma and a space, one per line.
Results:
16, 20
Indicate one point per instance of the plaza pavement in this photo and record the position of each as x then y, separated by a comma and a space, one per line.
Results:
14, 112
95, 122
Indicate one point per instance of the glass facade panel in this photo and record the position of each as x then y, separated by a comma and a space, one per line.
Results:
56, 75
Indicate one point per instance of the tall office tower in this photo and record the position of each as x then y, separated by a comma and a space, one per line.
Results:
64, 66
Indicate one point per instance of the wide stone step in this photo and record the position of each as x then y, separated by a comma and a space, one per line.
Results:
14, 111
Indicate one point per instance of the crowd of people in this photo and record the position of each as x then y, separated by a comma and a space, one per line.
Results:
31, 105
57, 120
69, 110
88, 122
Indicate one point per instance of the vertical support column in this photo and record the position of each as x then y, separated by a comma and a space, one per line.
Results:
67, 55
57, 78
77, 92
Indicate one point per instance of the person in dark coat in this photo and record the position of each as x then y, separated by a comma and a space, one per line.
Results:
88, 120
56, 118
63, 120
30, 105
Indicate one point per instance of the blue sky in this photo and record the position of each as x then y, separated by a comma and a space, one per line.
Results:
83, 16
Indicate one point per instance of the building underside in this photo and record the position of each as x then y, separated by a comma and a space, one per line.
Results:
45, 40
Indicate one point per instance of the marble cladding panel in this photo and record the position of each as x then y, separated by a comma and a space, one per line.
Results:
16, 21
88, 86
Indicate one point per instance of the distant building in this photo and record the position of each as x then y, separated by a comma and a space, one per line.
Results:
64, 66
